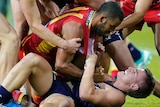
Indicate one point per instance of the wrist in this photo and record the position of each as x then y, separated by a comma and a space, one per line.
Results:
90, 64
63, 44
89, 67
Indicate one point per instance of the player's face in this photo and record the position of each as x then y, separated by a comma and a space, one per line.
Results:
132, 76
106, 27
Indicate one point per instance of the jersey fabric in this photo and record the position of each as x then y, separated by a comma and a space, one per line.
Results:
59, 85
77, 99
82, 103
152, 16
33, 43
114, 37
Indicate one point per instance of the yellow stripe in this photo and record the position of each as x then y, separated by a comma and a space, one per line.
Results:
20, 98
78, 9
26, 40
45, 46
73, 13
79, 15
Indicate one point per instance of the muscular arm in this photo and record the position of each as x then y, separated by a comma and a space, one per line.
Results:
32, 15
140, 9
63, 59
99, 97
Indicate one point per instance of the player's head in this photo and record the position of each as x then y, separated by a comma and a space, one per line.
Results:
145, 87
110, 15
138, 83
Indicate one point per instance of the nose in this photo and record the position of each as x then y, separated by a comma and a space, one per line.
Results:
131, 69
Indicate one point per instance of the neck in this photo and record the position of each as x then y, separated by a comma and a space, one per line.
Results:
121, 87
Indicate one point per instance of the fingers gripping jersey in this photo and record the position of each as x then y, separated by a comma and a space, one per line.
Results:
82, 15
33, 43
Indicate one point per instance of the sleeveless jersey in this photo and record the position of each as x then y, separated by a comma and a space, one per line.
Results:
82, 103
33, 43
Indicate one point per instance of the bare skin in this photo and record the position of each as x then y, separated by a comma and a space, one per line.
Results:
33, 70
128, 25
8, 50
116, 49
29, 10
63, 59
108, 96
10, 43
57, 100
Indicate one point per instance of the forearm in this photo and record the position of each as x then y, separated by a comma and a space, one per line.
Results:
130, 21
48, 35
139, 11
32, 15
87, 83
70, 70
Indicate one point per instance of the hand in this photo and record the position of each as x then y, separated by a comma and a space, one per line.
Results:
51, 10
64, 9
99, 75
117, 29
91, 59
99, 48
73, 45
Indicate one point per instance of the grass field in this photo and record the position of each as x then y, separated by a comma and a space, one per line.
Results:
145, 40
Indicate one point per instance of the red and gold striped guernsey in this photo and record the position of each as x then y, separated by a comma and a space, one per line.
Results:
33, 43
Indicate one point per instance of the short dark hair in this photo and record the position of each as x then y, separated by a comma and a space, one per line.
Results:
112, 10
146, 89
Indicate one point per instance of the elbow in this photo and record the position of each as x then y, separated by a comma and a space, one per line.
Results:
59, 66
33, 26
83, 96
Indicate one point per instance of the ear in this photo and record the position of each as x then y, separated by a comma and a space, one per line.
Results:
103, 18
134, 87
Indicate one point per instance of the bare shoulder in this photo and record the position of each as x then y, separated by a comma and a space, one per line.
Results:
73, 28
74, 24
116, 98
108, 97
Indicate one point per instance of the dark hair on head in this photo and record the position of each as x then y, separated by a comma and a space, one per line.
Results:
146, 88
112, 10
